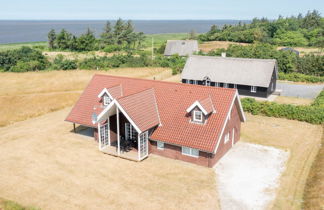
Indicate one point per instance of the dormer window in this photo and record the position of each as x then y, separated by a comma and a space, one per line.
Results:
197, 116
106, 100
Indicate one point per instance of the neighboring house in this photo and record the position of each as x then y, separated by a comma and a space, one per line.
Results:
291, 50
132, 118
181, 47
251, 77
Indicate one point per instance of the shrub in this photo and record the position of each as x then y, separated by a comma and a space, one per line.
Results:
64, 64
297, 77
112, 48
319, 100
23, 66
311, 114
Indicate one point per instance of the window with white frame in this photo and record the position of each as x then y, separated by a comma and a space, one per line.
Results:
226, 139
191, 82
106, 100
235, 86
253, 89
190, 151
225, 85
197, 116
160, 145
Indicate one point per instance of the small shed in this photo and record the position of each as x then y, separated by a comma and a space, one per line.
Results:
291, 50
181, 47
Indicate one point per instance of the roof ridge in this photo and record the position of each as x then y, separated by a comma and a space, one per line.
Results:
152, 88
233, 58
167, 82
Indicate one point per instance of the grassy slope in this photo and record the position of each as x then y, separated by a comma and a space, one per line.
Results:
4, 47
43, 92
159, 39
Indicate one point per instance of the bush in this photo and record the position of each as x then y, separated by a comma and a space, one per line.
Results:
312, 114
297, 77
319, 100
112, 48
60, 63
26, 58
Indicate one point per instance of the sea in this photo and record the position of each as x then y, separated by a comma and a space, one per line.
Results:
17, 31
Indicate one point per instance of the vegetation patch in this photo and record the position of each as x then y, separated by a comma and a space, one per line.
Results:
312, 114
11, 205
298, 77
302, 30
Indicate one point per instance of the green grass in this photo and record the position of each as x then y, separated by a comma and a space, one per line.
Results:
159, 39
12, 46
11, 205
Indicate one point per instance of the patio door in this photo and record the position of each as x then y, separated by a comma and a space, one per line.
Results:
143, 144
104, 138
130, 131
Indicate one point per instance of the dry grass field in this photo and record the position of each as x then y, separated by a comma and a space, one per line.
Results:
26, 95
307, 50
301, 139
47, 166
293, 100
213, 45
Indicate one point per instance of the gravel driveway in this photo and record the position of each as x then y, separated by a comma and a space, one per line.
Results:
299, 90
248, 175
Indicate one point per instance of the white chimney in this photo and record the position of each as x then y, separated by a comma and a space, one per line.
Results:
223, 54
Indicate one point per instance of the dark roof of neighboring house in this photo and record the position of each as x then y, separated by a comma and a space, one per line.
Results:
290, 49
181, 47
243, 71
162, 105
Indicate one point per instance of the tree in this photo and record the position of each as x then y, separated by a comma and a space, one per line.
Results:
118, 31
312, 20
51, 39
140, 39
128, 34
107, 37
290, 38
87, 41
63, 40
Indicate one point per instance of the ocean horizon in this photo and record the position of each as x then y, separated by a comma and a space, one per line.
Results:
18, 31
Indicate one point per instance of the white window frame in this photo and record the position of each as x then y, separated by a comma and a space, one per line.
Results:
194, 116
253, 89
235, 86
226, 138
106, 100
233, 136
216, 84
225, 85
191, 152
160, 145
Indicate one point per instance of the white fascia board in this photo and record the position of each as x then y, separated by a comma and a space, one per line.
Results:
103, 92
103, 112
241, 107
196, 103
225, 123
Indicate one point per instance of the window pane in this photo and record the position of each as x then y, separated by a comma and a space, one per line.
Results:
195, 152
186, 150
160, 145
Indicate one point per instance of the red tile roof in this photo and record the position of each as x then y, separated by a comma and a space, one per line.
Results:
172, 100
207, 104
141, 108
116, 91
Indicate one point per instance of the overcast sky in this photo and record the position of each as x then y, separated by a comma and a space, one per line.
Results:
153, 9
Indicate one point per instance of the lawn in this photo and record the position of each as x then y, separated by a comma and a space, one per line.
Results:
12, 46
302, 140
26, 95
159, 39
47, 166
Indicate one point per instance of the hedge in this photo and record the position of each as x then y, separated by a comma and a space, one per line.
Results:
297, 77
312, 114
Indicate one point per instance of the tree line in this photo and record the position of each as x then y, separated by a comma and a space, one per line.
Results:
28, 59
115, 37
288, 62
298, 30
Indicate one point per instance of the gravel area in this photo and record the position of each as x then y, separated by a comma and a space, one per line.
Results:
248, 176
299, 90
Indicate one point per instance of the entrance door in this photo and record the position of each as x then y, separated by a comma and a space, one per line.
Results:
104, 138
143, 144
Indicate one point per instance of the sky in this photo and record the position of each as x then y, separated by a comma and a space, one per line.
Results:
153, 9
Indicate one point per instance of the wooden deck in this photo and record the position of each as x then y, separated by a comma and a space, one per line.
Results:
111, 150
